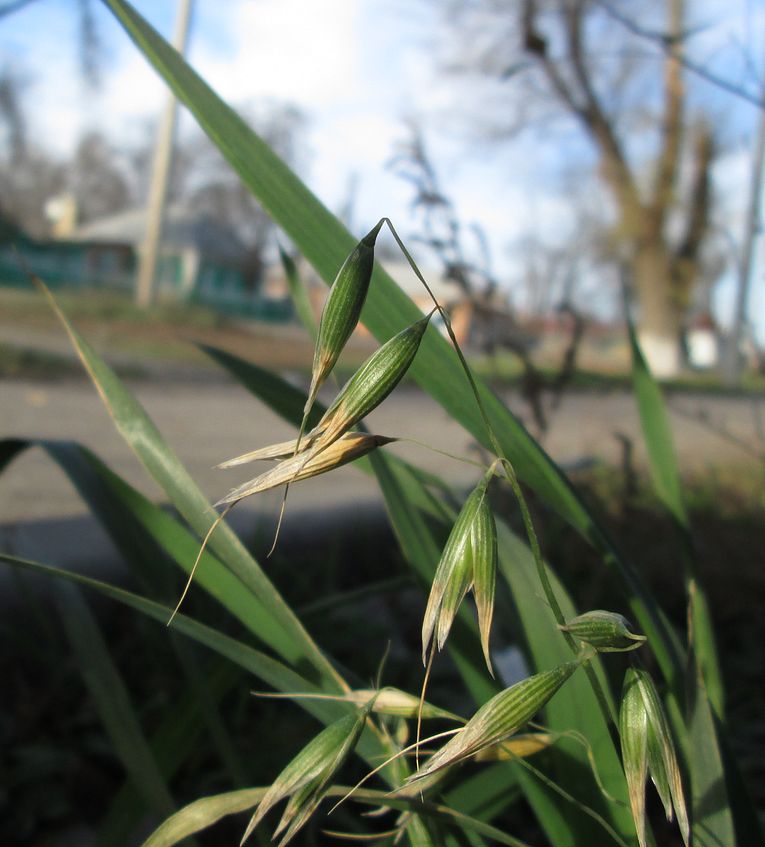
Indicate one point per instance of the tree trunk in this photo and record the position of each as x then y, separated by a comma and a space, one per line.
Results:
660, 320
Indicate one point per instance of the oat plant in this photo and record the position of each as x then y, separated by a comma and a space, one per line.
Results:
575, 748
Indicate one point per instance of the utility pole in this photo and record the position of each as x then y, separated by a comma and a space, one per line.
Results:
160, 171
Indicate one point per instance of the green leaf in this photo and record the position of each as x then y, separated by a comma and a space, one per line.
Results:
144, 533
202, 814
298, 293
578, 711
112, 701
658, 434
711, 820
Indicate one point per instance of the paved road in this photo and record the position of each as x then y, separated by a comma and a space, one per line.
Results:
206, 422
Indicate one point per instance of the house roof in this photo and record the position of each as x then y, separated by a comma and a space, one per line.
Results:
182, 228
445, 290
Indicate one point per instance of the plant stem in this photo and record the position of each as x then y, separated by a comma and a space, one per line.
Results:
514, 484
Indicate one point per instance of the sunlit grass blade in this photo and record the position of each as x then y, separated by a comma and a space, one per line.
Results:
142, 530
284, 630
711, 776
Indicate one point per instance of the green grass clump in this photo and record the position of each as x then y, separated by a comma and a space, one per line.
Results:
577, 780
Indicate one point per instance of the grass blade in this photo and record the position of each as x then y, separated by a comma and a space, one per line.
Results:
712, 822
657, 432
144, 533
201, 814
547, 648
298, 293
112, 701
281, 628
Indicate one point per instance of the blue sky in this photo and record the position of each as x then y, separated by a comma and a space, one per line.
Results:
357, 69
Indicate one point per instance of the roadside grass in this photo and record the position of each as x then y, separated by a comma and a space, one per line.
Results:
58, 757
20, 363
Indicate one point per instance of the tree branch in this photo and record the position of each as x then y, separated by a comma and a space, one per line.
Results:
685, 260
672, 119
593, 116
665, 41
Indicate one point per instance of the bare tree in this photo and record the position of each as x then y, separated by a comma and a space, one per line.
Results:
97, 178
28, 175
206, 181
653, 157
442, 231
89, 40
496, 329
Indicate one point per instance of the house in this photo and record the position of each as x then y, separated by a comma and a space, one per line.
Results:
198, 257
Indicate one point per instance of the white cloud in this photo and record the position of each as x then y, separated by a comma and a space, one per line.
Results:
307, 53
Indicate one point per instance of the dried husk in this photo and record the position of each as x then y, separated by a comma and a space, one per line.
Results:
310, 463
518, 747
365, 390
